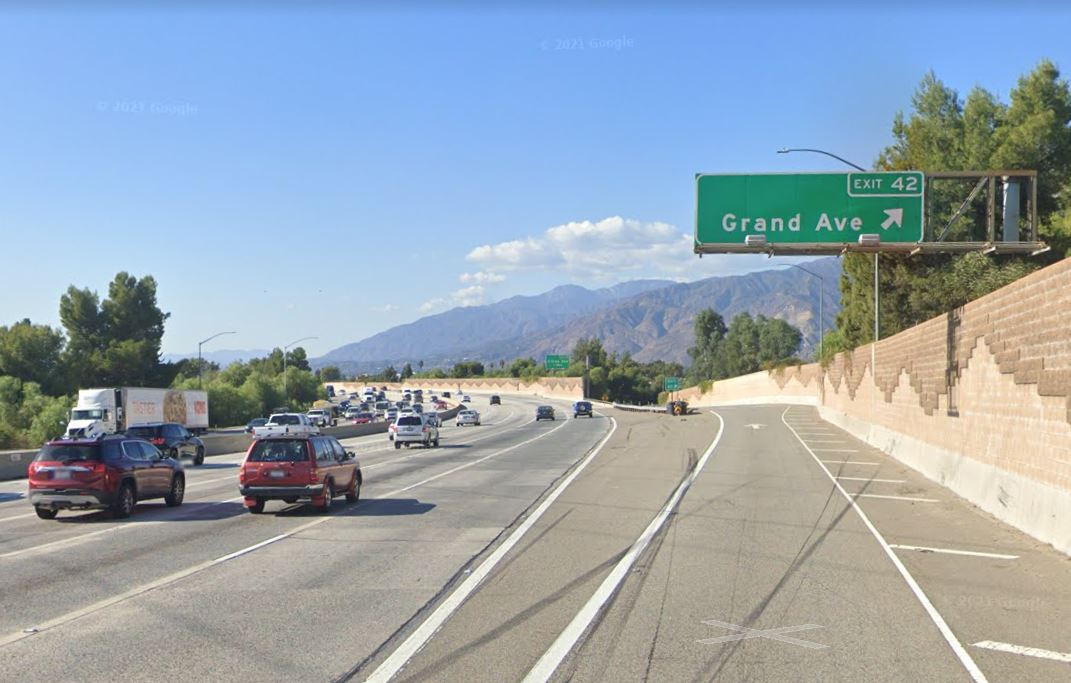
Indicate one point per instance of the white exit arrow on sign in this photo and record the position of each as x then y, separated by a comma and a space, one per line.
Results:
894, 216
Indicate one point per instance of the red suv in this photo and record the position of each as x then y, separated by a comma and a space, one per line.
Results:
113, 472
298, 468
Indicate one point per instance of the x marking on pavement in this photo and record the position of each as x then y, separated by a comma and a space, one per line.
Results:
743, 633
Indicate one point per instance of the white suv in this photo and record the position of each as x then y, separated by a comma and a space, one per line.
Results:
413, 429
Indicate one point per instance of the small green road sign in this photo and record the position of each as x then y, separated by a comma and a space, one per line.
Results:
671, 384
557, 362
800, 209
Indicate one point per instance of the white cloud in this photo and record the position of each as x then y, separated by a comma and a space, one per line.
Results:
467, 296
608, 249
482, 278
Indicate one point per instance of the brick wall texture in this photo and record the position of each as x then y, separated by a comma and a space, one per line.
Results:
990, 381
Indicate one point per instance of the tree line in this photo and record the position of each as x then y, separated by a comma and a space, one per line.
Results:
115, 341
945, 132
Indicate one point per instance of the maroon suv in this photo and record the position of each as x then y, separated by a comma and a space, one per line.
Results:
298, 468
112, 472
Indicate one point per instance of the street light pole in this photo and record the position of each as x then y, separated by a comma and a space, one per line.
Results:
200, 363
286, 392
874, 345
821, 302
786, 150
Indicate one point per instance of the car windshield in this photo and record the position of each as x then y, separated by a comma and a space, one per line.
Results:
68, 453
279, 451
285, 419
87, 414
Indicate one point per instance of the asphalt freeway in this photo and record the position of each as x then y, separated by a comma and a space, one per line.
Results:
207, 591
746, 543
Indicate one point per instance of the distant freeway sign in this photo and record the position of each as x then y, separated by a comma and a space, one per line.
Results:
557, 362
671, 384
819, 209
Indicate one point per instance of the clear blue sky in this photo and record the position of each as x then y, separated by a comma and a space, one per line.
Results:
336, 171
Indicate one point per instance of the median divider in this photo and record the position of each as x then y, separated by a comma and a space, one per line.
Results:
13, 464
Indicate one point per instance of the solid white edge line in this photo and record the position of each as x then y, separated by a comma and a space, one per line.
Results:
911, 498
419, 638
957, 647
1023, 650
64, 619
949, 551
568, 638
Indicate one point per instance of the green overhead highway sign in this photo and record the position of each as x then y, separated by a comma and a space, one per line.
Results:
671, 384
557, 362
807, 211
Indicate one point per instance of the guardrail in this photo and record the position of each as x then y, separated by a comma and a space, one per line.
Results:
649, 409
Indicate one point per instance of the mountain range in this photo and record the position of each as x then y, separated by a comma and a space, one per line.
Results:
651, 319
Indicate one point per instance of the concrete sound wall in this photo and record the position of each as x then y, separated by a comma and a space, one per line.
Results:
978, 400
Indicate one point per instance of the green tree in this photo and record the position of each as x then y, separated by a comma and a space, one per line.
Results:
407, 371
117, 340
33, 353
944, 133
467, 368
706, 356
330, 373
589, 352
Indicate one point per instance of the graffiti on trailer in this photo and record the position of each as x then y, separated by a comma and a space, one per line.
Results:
143, 407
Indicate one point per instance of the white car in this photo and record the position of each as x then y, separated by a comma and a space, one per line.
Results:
433, 418
468, 417
466, 399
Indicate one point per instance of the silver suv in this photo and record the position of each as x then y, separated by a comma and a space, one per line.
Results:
414, 429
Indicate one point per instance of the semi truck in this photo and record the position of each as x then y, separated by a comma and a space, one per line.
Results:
113, 410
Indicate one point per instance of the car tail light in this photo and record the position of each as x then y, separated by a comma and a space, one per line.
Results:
158, 441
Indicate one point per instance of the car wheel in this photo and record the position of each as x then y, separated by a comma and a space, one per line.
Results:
257, 507
199, 459
45, 513
354, 494
397, 445
178, 491
436, 442
328, 498
290, 500
125, 501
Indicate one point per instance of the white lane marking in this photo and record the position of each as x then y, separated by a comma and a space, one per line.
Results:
401, 656
1023, 650
11, 519
75, 540
948, 551
745, 633
568, 638
911, 498
957, 647
836, 450
826, 441
756, 426
847, 462
876, 481
139, 590
482, 437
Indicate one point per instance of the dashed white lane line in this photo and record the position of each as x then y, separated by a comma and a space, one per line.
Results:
401, 656
1023, 650
847, 462
910, 498
876, 481
949, 551
567, 639
189, 571
939, 621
